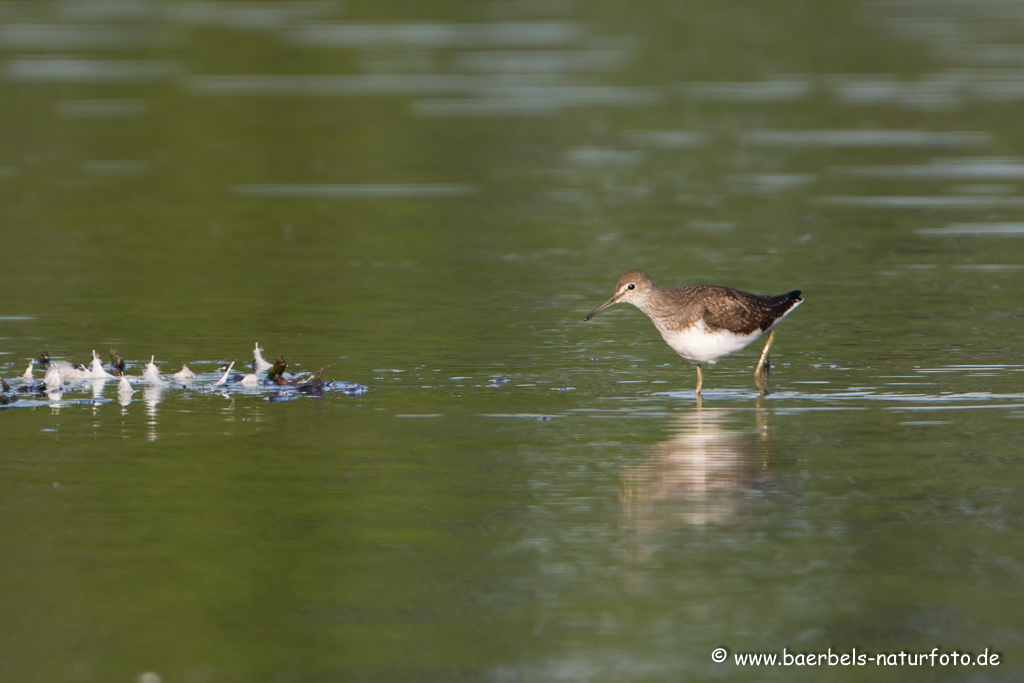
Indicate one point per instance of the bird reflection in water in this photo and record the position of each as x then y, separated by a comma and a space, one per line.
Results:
694, 479
152, 396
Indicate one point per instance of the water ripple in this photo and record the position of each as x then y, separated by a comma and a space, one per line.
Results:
975, 230
438, 35
395, 191
866, 138
68, 70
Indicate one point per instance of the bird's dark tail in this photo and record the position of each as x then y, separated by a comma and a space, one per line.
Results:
782, 303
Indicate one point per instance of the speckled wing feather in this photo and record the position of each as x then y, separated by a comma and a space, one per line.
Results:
740, 312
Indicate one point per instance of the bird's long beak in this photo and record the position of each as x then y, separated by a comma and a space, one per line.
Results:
606, 304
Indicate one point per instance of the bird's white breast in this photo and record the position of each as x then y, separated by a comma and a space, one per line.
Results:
703, 346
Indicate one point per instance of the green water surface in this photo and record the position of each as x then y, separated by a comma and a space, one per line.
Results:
427, 198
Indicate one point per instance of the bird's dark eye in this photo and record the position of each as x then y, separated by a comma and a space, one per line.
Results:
630, 286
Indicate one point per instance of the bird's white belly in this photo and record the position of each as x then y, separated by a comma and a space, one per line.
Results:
699, 345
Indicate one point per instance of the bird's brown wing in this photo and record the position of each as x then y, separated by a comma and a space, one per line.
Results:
742, 312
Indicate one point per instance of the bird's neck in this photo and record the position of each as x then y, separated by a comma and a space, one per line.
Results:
657, 304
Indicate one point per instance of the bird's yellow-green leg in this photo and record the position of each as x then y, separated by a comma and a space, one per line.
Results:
700, 379
764, 366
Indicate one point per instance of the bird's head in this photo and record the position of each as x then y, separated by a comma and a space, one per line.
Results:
634, 287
